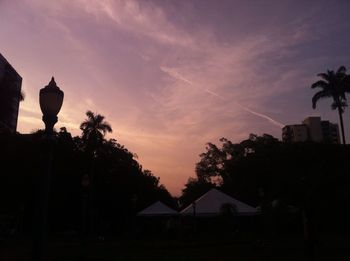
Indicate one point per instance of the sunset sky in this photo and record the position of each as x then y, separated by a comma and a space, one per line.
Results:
172, 75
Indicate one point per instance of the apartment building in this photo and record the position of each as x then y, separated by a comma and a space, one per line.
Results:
311, 129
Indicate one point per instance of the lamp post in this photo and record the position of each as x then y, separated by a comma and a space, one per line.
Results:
85, 183
51, 99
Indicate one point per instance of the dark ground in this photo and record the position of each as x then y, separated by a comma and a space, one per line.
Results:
335, 248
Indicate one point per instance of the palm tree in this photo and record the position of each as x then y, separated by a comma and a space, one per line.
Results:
334, 85
94, 129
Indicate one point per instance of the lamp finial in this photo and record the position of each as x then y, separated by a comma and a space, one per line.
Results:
52, 83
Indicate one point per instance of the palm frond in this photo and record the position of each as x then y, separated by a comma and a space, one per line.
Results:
99, 118
341, 70
319, 95
342, 96
339, 105
106, 127
83, 125
90, 114
94, 128
330, 73
346, 84
324, 76
321, 84
334, 106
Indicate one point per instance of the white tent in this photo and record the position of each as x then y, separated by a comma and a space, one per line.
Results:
157, 209
210, 204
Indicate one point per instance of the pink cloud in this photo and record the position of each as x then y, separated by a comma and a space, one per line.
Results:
166, 89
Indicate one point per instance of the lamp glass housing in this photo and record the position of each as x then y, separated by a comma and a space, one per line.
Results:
51, 99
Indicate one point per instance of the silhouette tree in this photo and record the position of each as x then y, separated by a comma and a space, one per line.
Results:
118, 186
334, 85
220, 163
94, 129
194, 188
294, 184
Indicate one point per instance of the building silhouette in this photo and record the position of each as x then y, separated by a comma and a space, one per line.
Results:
312, 129
10, 95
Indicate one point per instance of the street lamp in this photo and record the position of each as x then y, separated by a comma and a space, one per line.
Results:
51, 99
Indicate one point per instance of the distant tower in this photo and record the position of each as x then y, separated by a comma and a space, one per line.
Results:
312, 129
315, 129
295, 133
10, 96
330, 132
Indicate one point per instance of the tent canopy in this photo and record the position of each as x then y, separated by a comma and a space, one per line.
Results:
157, 209
212, 202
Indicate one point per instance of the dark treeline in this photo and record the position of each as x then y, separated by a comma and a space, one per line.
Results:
301, 184
296, 186
84, 166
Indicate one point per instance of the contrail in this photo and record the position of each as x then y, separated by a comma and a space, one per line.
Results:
215, 94
277, 123
176, 75
274, 122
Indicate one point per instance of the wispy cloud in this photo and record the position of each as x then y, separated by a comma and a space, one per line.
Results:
168, 77
140, 19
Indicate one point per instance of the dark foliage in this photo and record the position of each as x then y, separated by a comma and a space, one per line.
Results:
283, 179
119, 188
